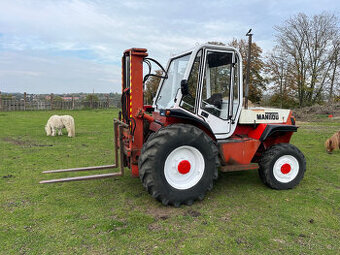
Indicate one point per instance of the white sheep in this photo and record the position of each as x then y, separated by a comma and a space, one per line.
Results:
58, 122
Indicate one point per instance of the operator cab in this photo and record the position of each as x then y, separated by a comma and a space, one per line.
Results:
201, 84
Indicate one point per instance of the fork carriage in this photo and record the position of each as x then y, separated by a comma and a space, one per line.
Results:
120, 128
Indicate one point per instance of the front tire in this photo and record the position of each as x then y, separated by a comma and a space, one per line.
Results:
282, 166
178, 164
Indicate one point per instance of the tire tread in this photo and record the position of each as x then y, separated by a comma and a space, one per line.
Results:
156, 141
266, 161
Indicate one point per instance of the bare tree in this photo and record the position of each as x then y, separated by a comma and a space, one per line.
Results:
308, 44
281, 77
334, 77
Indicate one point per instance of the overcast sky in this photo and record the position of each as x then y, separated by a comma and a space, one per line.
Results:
76, 45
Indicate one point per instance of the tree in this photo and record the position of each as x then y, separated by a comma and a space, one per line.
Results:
6, 96
91, 98
91, 101
280, 75
334, 77
151, 87
257, 82
58, 99
306, 43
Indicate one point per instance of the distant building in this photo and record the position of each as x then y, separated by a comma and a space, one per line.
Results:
70, 98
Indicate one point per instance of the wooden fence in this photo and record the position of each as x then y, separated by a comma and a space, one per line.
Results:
23, 105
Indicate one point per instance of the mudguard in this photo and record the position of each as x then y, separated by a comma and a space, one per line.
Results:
271, 129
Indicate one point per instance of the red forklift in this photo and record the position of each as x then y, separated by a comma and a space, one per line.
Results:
197, 127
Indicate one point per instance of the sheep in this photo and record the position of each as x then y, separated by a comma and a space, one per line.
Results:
57, 123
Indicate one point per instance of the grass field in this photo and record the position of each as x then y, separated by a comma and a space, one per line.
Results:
117, 216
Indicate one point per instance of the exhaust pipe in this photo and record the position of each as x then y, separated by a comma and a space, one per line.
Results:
246, 89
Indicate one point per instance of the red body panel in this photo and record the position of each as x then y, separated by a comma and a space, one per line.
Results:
238, 151
257, 132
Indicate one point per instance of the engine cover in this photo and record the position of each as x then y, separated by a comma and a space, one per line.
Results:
263, 115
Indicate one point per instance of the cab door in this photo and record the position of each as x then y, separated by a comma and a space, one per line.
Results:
217, 91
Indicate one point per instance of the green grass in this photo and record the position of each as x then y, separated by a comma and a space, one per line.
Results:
117, 216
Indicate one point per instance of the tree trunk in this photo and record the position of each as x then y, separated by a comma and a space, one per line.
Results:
330, 99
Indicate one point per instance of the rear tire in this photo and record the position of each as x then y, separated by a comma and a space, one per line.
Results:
178, 164
282, 166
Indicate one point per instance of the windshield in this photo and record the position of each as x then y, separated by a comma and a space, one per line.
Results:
171, 85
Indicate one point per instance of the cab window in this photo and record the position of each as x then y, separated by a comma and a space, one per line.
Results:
216, 83
188, 101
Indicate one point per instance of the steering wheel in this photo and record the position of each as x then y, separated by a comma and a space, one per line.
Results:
216, 100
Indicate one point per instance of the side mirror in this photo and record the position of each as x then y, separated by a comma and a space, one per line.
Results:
184, 87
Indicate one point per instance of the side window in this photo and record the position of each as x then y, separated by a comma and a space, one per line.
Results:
216, 84
188, 101
170, 86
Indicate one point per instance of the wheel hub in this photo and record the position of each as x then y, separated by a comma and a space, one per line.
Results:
285, 168
184, 167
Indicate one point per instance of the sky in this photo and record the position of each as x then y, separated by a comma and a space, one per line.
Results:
69, 46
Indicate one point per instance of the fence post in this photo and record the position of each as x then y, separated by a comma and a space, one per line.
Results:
0, 101
25, 95
91, 102
72, 102
51, 101
107, 101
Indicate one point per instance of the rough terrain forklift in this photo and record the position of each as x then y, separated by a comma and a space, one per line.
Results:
197, 126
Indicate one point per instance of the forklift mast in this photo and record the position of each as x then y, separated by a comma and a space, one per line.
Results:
132, 103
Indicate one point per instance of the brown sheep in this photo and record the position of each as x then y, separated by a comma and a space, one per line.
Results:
333, 143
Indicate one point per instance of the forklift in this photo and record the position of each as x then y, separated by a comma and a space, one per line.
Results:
196, 127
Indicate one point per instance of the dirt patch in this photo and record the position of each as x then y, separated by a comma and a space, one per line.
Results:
311, 113
15, 204
226, 217
302, 240
242, 241
166, 212
163, 213
14, 141
154, 227
24, 143
7, 176
192, 213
